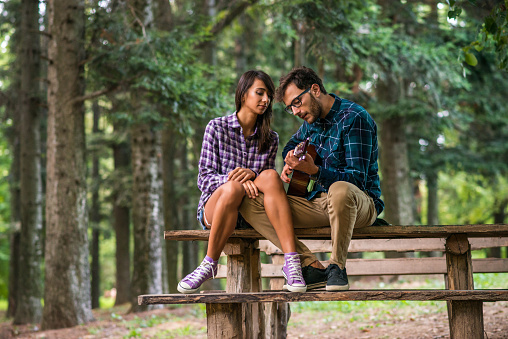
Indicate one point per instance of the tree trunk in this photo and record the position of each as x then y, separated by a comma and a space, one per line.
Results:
394, 162
170, 206
67, 279
164, 22
95, 215
29, 307
396, 184
15, 206
121, 154
432, 199
190, 248
146, 206
241, 46
300, 45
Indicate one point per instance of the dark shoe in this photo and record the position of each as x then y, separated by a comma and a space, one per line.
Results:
337, 278
314, 277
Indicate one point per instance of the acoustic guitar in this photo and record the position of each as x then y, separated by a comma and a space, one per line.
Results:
300, 180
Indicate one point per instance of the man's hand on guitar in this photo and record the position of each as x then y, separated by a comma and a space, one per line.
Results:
241, 174
306, 164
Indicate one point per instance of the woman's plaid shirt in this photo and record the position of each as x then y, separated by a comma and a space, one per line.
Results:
224, 149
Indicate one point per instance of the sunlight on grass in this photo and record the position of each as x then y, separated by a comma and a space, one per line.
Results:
106, 303
181, 332
486, 281
3, 305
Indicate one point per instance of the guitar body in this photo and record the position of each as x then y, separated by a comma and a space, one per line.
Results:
300, 180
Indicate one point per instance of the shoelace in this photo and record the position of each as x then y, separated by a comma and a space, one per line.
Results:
201, 272
293, 263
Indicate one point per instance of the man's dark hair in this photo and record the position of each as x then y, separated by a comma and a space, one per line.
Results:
303, 77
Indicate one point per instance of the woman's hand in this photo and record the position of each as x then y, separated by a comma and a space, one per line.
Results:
251, 190
241, 174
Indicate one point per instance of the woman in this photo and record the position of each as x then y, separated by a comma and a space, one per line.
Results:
238, 160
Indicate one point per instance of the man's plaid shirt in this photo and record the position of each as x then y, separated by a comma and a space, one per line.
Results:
346, 142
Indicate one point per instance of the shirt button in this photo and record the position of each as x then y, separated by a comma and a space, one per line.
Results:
245, 154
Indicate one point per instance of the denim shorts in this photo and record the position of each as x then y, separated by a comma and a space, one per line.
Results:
241, 224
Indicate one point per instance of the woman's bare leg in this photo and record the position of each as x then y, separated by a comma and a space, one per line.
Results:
221, 210
277, 208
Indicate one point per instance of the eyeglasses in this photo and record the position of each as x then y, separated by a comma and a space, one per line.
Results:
297, 102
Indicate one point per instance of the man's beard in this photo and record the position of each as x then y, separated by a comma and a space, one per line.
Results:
316, 109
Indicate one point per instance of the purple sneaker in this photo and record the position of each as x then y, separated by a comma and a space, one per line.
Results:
193, 281
292, 271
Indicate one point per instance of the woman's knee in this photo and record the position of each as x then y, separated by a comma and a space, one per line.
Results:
269, 178
232, 190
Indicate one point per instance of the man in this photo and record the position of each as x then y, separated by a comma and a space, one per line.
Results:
346, 193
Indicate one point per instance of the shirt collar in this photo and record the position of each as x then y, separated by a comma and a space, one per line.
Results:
320, 123
334, 110
234, 123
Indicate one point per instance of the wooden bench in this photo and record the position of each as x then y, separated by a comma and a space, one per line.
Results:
238, 311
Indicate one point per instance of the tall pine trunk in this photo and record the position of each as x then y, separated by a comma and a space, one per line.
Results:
170, 205
146, 204
394, 161
121, 216
67, 279
432, 199
15, 219
29, 307
95, 215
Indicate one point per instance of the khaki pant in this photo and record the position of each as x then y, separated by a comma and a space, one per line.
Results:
344, 207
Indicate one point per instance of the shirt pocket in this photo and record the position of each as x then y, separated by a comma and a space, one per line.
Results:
335, 157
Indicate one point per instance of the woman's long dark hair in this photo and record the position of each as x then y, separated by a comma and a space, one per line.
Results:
263, 121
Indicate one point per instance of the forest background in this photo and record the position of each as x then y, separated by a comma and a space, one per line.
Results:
103, 106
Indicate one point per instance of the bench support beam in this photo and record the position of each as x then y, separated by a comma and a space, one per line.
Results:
465, 317
224, 321
244, 275
277, 314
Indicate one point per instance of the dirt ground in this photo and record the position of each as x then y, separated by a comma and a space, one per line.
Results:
188, 322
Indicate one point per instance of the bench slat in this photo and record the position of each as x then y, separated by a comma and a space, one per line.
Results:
382, 245
352, 295
396, 266
372, 232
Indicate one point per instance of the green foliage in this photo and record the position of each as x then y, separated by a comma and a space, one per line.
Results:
468, 198
492, 36
159, 67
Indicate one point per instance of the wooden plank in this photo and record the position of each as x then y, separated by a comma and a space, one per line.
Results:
382, 245
351, 295
396, 266
372, 232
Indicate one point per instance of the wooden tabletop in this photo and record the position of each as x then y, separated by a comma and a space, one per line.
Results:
371, 232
